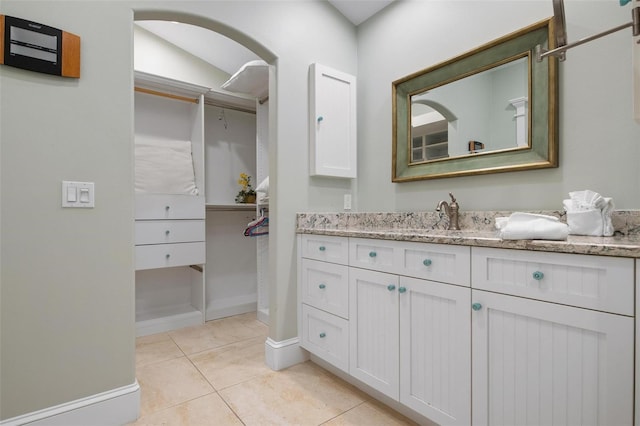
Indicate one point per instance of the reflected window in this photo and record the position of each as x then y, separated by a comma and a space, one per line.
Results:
429, 134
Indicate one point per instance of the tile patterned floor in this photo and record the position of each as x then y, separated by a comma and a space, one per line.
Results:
215, 374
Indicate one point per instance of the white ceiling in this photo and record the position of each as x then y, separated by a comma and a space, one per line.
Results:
228, 55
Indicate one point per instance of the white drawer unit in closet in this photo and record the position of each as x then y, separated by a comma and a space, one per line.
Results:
169, 255
169, 206
169, 231
602, 283
436, 262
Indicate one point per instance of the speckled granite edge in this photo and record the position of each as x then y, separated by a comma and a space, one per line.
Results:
478, 229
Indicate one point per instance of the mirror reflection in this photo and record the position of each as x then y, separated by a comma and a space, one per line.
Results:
490, 110
484, 112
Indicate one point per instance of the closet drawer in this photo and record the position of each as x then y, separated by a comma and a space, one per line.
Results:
167, 206
326, 286
594, 282
326, 248
326, 336
168, 255
435, 262
169, 231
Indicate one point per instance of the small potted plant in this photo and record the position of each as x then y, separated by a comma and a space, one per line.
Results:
247, 194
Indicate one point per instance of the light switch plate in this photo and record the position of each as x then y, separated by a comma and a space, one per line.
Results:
78, 194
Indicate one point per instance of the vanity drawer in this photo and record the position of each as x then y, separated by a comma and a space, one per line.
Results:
168, 255
168, 206
594, 282
325, 248
377, 255
326, 336
169, 231
326, 286
435, 262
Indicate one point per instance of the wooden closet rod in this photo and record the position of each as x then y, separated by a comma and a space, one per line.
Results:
166, 95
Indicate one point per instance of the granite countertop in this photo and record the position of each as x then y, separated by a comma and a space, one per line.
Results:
477, 230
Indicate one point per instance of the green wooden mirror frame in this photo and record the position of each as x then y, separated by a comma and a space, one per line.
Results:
542, 150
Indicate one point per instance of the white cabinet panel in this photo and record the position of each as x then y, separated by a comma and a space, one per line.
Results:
373, 330
169, 231
167, 206
435, 350
378, 255
436, 262
595, 282
169, 255
326, 286
326, 335
332, 122
541, 363
325, 248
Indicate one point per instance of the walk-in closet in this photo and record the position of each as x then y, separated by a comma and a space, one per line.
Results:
200, 255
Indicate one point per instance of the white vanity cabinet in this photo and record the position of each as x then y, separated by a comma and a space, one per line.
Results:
409, 337
475, 335
553, 338
323, 292
404, 336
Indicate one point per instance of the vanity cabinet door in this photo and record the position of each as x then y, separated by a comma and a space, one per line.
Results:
373, 329
435, 350
539, 363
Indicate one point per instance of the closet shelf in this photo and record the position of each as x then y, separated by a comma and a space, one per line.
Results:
231, 207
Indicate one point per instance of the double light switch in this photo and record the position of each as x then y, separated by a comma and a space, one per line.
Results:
78, 194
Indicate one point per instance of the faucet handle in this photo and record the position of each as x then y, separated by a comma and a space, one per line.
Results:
453, 199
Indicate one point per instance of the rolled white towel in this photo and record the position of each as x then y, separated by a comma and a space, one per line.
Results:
529, 226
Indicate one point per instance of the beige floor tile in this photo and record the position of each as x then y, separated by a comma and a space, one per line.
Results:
232, 364
301, 395
155, 348
208, 410
218, 333
167, 383
370, 413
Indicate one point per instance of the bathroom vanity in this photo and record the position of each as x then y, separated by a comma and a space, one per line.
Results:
464, 328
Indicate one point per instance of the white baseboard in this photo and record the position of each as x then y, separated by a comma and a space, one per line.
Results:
231, 306
263, 315
280, 355
115, 407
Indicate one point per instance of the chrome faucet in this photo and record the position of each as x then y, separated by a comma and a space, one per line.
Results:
451, 210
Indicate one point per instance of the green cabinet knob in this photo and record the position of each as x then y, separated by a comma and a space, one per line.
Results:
537, 275
322, 286
167, 255
322, 248
372, 254
402, 289
426, 262
323, 335
391, 287
476, 306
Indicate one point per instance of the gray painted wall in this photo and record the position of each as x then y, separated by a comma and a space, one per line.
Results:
67, 275
599, 140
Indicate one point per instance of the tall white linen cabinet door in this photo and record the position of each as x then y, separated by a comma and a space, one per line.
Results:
332, 123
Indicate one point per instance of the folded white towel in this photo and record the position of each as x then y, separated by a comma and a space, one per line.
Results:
529, 226
589, 213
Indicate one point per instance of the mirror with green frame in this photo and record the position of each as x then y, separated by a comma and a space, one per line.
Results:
490, 110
